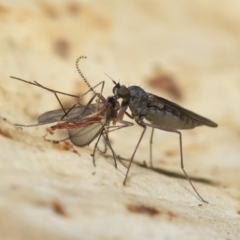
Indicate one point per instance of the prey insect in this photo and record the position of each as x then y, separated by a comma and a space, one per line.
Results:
83, 122
161, 114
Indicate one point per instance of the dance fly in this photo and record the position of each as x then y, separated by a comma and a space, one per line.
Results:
160, 114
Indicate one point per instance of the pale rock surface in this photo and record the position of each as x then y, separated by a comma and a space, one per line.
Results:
49, 192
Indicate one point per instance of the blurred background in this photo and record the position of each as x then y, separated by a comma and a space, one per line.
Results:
185, 51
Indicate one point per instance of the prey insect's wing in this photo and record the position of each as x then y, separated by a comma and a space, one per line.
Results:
202, 120
59, 115
85, 135
82, 135
93, 126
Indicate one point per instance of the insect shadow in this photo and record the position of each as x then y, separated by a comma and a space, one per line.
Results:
161, 114
84, 123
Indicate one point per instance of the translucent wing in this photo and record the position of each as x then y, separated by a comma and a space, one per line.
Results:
85, 135
56, 115
176, 107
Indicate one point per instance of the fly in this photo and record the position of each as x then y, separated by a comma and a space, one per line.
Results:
160, 114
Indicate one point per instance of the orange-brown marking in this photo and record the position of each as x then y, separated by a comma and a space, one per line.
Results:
82, 123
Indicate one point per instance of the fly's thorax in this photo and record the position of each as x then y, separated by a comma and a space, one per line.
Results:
138, 107
138, 101
136, 91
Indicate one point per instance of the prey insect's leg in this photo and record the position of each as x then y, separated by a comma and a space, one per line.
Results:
112, 129
30, 125
41, 86
86, 107
35, 83
139, 122
59, 141
107, 141
95, 147
113, 153
106, 129
181, 154
79, 97
102, 152
60, 103
108, 144
54, 141
115, 128
151, 141
65, 113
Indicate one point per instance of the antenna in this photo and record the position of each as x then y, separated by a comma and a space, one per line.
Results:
81, 74
111, 78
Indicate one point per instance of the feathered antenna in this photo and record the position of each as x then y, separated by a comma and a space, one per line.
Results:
81, 74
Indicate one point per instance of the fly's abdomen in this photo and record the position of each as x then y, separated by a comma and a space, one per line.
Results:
170, 119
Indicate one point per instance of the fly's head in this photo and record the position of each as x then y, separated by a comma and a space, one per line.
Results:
120, 91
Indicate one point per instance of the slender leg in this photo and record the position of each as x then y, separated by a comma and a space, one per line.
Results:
54, 141
115, 128
55, 91
104, 133
95, 147
181, 154
104, 151
182, 167
65, 113
111, 129
140, 139
107, 142
151, 141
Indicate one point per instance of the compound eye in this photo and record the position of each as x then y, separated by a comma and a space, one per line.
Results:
116, 87
123, 92
114, 90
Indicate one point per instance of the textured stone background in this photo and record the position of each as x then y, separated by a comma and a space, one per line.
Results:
186, 51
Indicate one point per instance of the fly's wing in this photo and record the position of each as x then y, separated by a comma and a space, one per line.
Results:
85, 135
56, 115
176, 107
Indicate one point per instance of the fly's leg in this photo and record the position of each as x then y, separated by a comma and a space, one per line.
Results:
151, 141
181, 155
140, 123
182, 167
